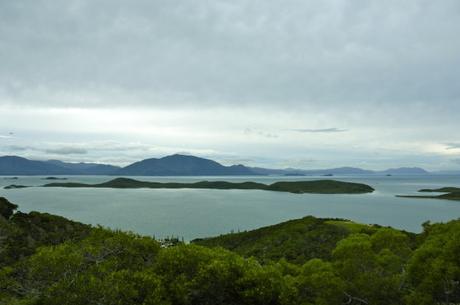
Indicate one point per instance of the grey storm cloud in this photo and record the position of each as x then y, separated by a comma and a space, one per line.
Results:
84, 53
320, 130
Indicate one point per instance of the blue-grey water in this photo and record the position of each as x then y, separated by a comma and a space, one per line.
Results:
193, 213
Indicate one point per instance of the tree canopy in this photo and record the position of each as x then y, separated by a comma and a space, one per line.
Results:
50, 260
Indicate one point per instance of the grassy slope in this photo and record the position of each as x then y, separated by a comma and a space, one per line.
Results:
319, 187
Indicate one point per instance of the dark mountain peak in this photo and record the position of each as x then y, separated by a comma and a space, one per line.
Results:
238, 166
179, 156
182, 165
186, 158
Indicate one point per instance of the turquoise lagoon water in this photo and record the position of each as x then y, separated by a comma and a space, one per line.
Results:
193, 213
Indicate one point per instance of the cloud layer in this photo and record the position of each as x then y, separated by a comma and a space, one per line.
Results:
84, 53
366, 83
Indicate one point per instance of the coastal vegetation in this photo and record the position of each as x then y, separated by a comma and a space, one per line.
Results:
299, 187
296, 241
48, 259
451, 193
442, 190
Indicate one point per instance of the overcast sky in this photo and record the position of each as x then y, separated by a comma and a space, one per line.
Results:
308, 84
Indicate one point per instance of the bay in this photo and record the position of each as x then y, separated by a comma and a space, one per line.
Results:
194, 213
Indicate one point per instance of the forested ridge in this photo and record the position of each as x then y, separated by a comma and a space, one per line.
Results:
47, 259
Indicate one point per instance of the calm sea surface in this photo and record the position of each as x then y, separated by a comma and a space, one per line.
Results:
191, 213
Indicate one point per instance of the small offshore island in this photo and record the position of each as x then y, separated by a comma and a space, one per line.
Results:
297, 187
452, 193
15, 186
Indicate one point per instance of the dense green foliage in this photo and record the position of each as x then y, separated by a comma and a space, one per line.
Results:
297, 241
434, 268
21, 234
319, 187
6, 208
76, 264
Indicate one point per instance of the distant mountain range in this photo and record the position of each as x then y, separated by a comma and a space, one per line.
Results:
318, 172
340, 171
174, 165
13, 165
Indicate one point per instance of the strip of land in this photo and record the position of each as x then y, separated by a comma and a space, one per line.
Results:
298, 187
442, 190
452, 193
15, 186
